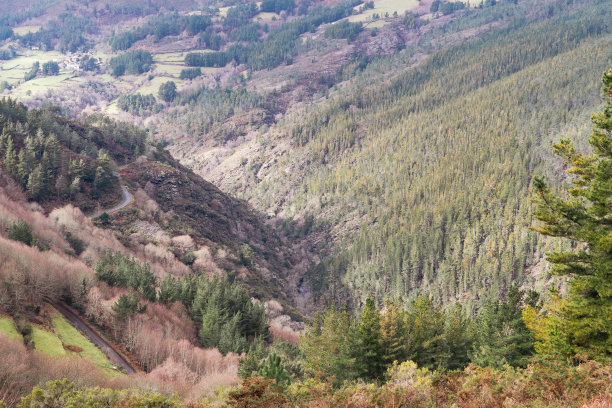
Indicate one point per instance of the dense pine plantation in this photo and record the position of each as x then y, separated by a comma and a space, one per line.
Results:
435, 168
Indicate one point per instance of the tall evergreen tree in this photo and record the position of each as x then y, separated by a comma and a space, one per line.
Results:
426, 342
393, 334
584, 215
371, 358
501, 334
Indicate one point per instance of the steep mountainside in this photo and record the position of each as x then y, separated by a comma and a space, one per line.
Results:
418, 169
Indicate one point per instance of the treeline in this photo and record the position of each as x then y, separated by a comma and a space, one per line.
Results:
131, 62
67, 28
446, 7
126, 272
344, 29
207, 59
190, 73
338, 347
276, 6
161, 26
223, 311
52, 158
138, 104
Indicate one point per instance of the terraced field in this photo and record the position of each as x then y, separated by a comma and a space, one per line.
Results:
61, 339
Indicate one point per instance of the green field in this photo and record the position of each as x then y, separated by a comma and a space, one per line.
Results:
71, 336
381, 7
8, 327
47, 342
52, 343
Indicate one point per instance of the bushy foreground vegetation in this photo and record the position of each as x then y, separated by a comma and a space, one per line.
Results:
543, 384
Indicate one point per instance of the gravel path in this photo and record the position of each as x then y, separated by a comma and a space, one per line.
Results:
127, 199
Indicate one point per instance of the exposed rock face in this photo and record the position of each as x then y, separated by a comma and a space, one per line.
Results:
214, 219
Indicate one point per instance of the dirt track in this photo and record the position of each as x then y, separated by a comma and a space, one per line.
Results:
106, 348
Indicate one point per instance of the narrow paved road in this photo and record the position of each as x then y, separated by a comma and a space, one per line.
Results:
106, 348
127, 199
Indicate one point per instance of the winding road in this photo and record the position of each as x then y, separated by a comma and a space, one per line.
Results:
127, 199
94, 337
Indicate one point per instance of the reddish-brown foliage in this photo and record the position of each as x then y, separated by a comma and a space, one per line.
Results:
286, 335
257, 392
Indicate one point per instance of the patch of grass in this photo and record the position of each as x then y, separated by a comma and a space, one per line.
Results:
223, 11
69, 335
23, 30
47, 342
152, 86
170, 57
265, 16
168, 69
8, 327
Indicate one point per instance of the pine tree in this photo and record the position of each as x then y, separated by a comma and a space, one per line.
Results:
584, 215
272, 368
249, 364
501, 334
168, 290
458, 337
331, 345
370, 346
10, 158
393, 333
35, 182
426, 342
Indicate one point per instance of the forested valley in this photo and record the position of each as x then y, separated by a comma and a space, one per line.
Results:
305, 203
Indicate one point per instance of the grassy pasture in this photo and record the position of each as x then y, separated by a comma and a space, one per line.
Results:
15, 69
71, 336
52, 343
171, 57
8, 328
169, 70
384, 6
152, 86
47, 342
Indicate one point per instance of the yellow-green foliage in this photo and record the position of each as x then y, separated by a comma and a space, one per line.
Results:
434, 169
408, 374
8, 327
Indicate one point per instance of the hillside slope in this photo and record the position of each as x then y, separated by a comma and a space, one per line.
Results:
417, 170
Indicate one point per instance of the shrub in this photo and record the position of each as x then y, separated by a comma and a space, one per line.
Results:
20, 231
257, 392
188, 258
76, 243
167, 91
50, 68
